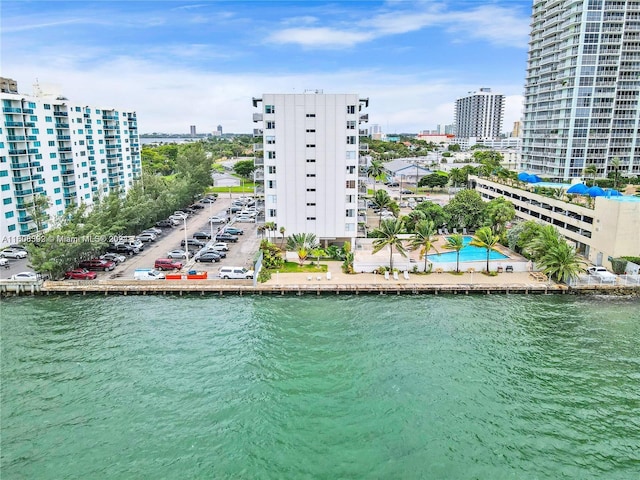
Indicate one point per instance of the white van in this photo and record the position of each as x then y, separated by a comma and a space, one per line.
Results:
147, 274
235, 273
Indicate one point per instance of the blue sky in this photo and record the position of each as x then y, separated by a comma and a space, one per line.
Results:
180, 63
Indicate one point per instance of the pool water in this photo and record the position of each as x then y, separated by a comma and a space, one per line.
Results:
469, 253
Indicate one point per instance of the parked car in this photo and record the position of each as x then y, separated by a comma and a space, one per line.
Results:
123, 249
25, 276
192, 242
217, 219
180, 214
4, 263
406, 192
208, 257
245, 219
208, 200
167, 264
220, 246
147, 237
235, 272
113, 257
165, 223
234, 231
210, 249
177, 254
225, 237
97, 264
603, 274
196, 206
235, 208
202, 235
80, 274
156, 231
392, 184
13, 252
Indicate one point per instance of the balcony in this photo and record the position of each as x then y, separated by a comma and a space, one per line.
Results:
16, 138
258, 161
17, 152
69, 184
111, 147
17, 166
257, 132
257, 117
11, 110
61, 125
364, 118
21, 179
60, 114
33, 151
69, 195
14, 124
258, 147
64, 149
363, 147
68, 171
66, 160
23, 193
63, 137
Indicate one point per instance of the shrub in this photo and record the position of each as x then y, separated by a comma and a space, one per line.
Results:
618, 265
264, 275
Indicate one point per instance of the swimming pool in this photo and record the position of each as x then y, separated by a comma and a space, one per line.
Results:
469, 253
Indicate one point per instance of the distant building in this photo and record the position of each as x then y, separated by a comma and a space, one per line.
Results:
8, 85
436, 138
517, 129
193, 130
449, 129
406, 170
67, 152
309, 174
219, 130
479, 114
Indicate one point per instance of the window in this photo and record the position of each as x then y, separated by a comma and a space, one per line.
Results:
349, 227
311, 218
271, 184
59, 202
311, 115
270, 139
4, 173
56, 190
35, 131
311, 130
270, 125
272, 198
6, 201
47, 106
351, 124
308, 189
271, 155
351, 140
351, 109
269, 109
351, 184
350, 198
56, 179
54, 167
271, 169
52, 143
4, 188
311, 145
311, 175
351, 155
273, 212
311, 204
351, 169
8, 215
11, 228
350, 212
311, 160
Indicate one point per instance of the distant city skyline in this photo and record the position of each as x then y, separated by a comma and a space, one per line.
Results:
198, 63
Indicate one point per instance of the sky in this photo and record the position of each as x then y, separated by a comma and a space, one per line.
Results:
182, 63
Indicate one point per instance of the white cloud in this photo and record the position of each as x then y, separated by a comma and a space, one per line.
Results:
319, 37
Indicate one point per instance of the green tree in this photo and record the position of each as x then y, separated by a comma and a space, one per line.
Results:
38, 211
466, 209
302, 243
456, 242
499, 212
591, 170
381, 200
271, 255
484, 238
413, 218
244, 168
424, 239
615, 173
546, 237
388, 236
374, 171
433, 212
434, 180
458, 176
282, 230
561, 262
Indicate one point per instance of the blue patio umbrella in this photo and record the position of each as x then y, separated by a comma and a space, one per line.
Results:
610, 192
578, 188
523, 176
534, 179
596, 191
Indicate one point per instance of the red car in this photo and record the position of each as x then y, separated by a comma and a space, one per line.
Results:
98, 264
167, 264
80, 274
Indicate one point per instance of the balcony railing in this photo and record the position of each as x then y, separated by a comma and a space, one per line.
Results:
257, 132
257, 117
60, 114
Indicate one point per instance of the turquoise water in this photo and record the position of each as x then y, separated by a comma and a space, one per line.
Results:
469, 253
358, 387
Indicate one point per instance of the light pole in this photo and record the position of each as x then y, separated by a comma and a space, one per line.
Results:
186, 245
210, 222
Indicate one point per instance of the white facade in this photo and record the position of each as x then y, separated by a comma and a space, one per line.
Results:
66, 152
311, 162
582, 88
479, 114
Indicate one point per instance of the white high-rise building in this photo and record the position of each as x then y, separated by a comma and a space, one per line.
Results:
583, 88
310, 169
67, 152
479, 114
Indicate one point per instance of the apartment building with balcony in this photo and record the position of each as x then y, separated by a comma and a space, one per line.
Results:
479, 115
582, 88
67, 152
310, 166
608, 228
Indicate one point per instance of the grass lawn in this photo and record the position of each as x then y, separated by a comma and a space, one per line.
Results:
248, 188
293, 267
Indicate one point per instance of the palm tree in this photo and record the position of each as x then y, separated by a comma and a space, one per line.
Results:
423, 239
546, 238
456, 242
282, 230
485, 238
374, 171
270, 227
561, 262
615, 163
592, 170
387, 235
381, 200
302, 243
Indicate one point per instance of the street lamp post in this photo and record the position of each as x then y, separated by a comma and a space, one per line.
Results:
210, 222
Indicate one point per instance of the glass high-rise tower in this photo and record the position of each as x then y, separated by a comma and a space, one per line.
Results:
582, 90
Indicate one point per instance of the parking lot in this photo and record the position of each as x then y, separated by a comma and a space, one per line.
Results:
240, 254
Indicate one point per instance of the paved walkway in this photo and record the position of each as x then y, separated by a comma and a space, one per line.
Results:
445, 278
